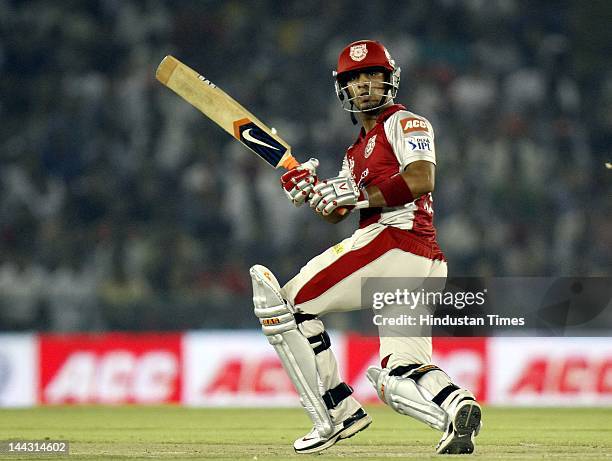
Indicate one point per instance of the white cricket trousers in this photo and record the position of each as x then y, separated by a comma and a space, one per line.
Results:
332, 281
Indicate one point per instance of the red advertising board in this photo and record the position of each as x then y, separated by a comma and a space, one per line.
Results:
112, 368
466, 360
221, 368
241, 369
551, 371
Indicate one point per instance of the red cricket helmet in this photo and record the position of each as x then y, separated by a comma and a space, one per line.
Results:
364, 54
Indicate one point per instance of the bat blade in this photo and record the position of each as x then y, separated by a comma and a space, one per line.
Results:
226, 112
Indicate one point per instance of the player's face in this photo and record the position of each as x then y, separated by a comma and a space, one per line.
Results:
367, 88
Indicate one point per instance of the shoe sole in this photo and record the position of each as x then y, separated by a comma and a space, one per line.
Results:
345, 433
353, 429
465, 424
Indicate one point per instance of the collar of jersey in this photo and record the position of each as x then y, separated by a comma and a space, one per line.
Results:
384, 116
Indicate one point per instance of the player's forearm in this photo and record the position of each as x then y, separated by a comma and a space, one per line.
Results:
416, 185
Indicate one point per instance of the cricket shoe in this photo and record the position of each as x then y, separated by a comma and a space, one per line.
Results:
313, 442
463, 427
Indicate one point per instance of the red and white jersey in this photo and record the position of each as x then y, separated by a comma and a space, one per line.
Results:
399, 138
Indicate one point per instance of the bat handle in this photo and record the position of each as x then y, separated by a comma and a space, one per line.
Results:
288, 162
358, 206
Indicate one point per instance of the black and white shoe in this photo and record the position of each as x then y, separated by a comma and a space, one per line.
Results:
312, 442
463, 427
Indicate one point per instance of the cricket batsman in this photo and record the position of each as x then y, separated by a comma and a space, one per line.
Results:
388, 174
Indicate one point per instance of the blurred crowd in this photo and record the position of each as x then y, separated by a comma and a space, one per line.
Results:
121, 207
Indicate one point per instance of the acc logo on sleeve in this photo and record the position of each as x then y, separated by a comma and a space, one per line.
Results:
410, 125
419, 143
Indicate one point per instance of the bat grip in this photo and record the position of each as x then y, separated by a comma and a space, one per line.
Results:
289, 162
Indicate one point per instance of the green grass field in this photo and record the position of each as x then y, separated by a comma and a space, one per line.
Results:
256, 434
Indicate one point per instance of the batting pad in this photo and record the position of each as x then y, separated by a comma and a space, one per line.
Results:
406, 397
293, 349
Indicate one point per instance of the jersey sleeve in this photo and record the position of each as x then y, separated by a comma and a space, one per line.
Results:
411, 137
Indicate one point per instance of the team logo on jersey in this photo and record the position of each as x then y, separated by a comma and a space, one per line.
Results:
358, 52
410, 125
419, 143
370, 146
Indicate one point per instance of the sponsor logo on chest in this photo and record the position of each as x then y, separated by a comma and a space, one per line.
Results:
370, 146
364, 174
351, 165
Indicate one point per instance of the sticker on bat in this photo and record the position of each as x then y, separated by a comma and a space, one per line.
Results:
208, 82
259, 141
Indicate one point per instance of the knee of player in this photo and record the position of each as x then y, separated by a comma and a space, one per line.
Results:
270, 308
274, 316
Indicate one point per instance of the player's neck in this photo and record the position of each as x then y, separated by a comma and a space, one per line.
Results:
368, 119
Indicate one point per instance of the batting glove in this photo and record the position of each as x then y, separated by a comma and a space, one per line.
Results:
299, 182
336, 192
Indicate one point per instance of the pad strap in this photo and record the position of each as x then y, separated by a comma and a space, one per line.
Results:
336, 395
417, 374
323, 338
441, 396
300, 317
402, 370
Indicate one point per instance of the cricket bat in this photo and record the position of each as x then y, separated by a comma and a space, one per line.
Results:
226, 112
222, 109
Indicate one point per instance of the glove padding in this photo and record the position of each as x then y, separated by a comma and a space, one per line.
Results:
332, 193
299, 181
